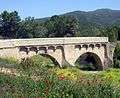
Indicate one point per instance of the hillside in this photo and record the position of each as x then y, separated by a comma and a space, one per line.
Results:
92, 22
99, 16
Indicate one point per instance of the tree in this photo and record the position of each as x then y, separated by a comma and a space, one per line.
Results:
30, 28
62, 26
117, 56
40, 32
26, 28
10, 24
111, 32
118, 33
0, 28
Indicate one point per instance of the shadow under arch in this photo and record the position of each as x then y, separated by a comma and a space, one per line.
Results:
89, 62
55, 62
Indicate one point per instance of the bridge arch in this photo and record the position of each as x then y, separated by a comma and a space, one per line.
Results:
89, 61
54, 60
55, 53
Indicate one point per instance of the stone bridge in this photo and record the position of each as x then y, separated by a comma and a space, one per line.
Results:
63, 50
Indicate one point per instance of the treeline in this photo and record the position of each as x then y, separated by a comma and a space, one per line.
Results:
12, 26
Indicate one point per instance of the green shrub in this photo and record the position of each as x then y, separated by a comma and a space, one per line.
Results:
49, 87
37, 61
117, 56
116, 63
36, 66
92, 86
26, 63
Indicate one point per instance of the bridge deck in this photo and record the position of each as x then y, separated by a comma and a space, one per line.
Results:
51, 41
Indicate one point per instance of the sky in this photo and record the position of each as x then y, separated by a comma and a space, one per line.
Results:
47, 8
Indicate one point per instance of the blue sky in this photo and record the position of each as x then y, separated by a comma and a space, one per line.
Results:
45, 8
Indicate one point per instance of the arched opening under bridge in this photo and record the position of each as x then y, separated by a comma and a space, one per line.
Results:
89, 62
54, 61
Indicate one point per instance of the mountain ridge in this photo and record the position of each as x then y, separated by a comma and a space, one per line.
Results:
99, 17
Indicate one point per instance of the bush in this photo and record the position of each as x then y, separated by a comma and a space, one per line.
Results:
117, 56
105, 84
37, 61
25, 87
93, 86
100, 85
36, 66
26, 63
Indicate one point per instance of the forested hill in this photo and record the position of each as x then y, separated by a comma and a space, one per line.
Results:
92, 23
98, 17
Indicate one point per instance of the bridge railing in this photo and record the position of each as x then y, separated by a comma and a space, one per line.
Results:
50, 41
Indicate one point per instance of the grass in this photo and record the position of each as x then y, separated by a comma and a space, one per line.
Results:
54, 82
9, 62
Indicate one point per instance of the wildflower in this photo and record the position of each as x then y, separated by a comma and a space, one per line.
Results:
62, 77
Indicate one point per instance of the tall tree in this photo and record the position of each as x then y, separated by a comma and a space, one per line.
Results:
61, 26
118, 33
30, 28
117, 56
10, 24
111, 32
26, 28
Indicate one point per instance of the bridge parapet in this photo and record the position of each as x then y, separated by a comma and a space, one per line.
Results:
51, 41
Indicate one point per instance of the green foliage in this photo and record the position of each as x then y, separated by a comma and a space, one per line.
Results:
88, 85
42, 61
9, 24
69, 73
94, 87
37, 61
36, 66
29, 28
39, 80
9, 62
26, 63
117, 56
117, 51
116, 63
61, 26
111, 32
